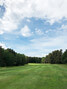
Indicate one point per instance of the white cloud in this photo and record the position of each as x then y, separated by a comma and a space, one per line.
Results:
52, 10
1, 32
41, 46
34, 54
45, 45
59, 42
28, 20
64, 27
39, 32
3, 45
25, 31
1, 2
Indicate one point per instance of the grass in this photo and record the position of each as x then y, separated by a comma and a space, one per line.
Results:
34, 76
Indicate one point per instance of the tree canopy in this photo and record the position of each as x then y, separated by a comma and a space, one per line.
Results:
9, 57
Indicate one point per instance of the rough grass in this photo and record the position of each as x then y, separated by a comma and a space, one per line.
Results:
34, 76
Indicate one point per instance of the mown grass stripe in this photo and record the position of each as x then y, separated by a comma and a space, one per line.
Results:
34, 76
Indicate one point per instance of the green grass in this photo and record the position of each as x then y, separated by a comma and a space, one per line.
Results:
34, 76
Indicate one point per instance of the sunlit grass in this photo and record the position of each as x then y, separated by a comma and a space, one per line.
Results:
34, 76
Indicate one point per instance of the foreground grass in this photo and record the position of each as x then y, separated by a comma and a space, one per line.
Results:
34, 76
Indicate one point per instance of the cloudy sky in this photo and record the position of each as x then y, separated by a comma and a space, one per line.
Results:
33, 27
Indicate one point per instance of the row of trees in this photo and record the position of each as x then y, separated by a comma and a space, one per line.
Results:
56, 57
9, 57
34, 59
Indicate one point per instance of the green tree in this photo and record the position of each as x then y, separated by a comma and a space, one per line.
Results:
55, 57
2, 61
64, 57
43, 60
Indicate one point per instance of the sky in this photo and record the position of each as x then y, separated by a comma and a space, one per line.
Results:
33, 27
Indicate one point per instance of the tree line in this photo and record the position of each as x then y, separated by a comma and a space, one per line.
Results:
9, 57
56, 57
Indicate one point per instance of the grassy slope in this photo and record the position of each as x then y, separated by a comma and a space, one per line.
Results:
34, 76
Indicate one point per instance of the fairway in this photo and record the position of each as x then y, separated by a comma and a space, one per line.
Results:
34, 76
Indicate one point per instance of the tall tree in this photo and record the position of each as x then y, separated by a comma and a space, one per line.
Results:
64, 57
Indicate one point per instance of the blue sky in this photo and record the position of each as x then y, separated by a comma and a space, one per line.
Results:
33, 28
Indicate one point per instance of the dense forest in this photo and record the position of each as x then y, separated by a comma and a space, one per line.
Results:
56, 57
9, 57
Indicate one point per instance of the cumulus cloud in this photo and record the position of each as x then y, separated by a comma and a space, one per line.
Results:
52, 10
41, 46
25, 31
3, 45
